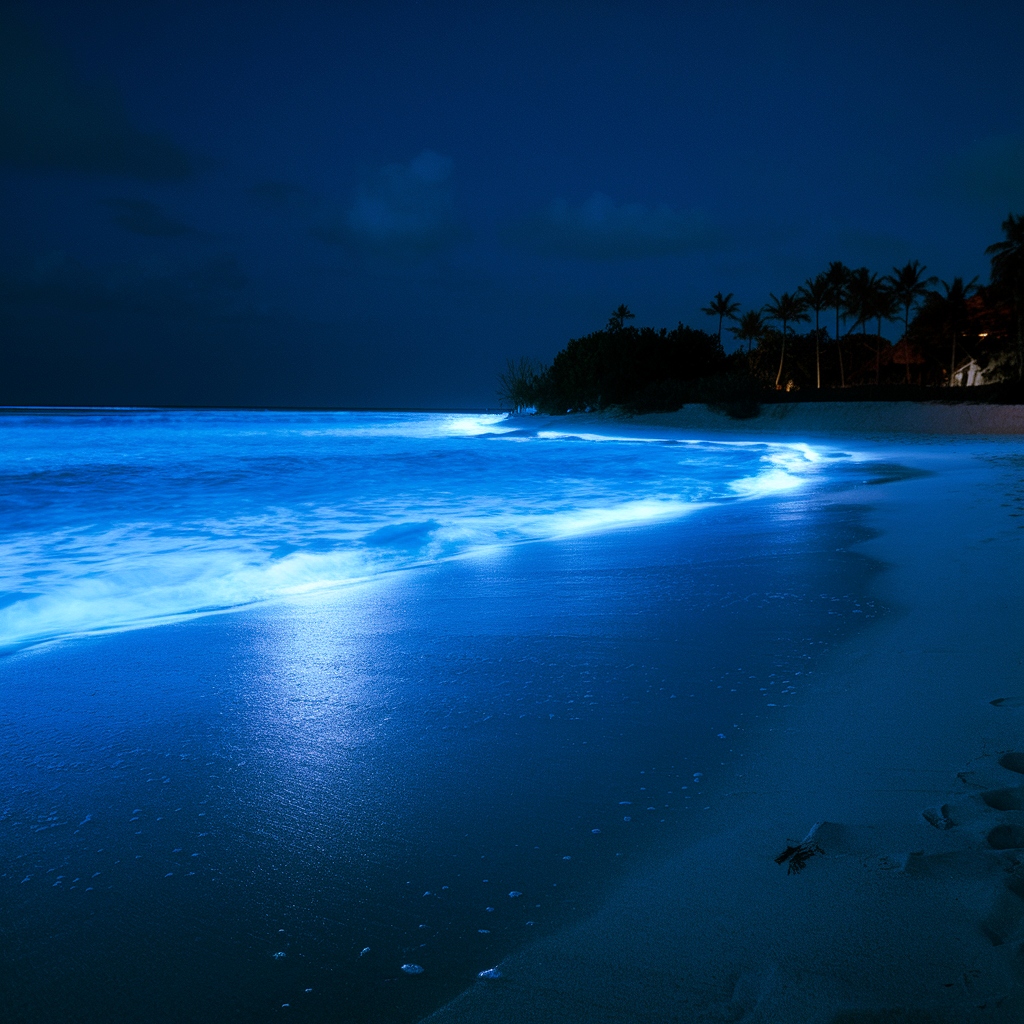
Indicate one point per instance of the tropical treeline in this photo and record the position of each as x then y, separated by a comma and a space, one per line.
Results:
827, 333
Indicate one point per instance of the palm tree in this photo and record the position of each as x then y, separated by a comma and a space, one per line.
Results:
837, 275
724, 308
751, 328
618, 319
954, 311
786, 309
859, 289
1008, 274
910, 286
864, 292
815, 294
885, 306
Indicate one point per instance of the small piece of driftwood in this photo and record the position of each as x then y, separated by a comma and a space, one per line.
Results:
798, 856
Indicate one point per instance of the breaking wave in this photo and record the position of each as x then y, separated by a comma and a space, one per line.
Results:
119, 520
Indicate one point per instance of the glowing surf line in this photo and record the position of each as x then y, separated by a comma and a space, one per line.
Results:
200, 576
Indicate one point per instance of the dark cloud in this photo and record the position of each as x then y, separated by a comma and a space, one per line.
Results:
145, 218
406, 208
599, 230
51, 120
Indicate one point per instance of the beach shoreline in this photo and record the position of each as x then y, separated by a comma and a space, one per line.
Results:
520, 715
895, 770
864, 419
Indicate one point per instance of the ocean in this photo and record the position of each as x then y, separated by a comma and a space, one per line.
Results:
323, 714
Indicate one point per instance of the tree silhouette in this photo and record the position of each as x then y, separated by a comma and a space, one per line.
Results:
953, 311
886, 307
786, 309
837, 276
724, 308
866, 298
618, 319
517, 383
751, 328
1008, 275
815, 294
910, 286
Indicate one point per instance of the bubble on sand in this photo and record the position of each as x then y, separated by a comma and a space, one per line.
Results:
627, 818
490, 910
277, 956
484, 931
412, 968
596, 831
567, 858
492, 972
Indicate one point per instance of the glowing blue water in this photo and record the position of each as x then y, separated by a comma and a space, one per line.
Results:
117, 520
296, 803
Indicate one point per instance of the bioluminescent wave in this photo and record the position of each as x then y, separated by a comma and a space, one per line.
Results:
117, 520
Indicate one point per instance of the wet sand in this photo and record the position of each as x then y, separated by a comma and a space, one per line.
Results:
365, 768
910, 754
210, 819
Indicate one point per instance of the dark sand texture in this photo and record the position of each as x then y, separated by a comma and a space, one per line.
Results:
379, 765
911, 754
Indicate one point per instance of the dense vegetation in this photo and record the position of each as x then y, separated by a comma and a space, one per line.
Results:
952, 334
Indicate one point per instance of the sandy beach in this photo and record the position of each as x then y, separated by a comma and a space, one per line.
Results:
904, 772
573, 760
824, 418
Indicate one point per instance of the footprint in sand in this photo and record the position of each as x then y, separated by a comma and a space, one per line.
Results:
1005, 799
940, 817
1014, 761
1001, 860
998, 798
1006, 837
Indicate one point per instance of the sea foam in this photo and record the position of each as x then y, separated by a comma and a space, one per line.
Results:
112, 521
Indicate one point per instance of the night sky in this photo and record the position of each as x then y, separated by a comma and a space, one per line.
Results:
375, 204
